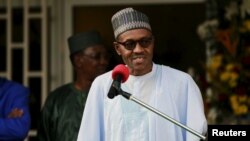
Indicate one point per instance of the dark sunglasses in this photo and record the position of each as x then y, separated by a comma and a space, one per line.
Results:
131, 44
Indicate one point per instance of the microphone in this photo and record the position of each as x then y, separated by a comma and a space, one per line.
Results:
119, 74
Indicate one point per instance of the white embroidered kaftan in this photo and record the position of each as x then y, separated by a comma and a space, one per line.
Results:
168, 90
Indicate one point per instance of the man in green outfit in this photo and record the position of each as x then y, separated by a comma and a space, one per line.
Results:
62, 113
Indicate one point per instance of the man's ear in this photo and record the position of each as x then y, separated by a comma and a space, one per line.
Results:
116, 46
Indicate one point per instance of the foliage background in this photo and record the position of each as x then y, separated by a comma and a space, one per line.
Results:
226, 87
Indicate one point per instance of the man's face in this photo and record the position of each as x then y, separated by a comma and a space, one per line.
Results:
94, 60
136, 49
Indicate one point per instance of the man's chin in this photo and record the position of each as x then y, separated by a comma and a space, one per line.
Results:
138, 67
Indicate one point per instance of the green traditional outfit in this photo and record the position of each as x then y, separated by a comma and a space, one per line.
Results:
62, 114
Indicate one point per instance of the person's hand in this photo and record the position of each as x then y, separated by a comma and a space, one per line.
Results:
15, 113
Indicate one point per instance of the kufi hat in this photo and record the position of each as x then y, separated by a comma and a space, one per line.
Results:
83, 40
127, 19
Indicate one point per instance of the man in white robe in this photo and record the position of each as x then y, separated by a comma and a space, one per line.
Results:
168, 90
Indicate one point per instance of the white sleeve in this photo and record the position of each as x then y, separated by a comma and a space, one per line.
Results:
92, 125
195, 112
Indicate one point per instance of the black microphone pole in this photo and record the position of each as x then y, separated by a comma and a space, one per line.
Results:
130, 97
116, 85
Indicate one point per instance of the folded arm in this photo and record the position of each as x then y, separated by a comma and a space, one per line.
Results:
15, 120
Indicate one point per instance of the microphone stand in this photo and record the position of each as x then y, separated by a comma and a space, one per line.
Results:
130, 97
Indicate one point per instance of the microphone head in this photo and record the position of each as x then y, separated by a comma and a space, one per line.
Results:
121, 70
